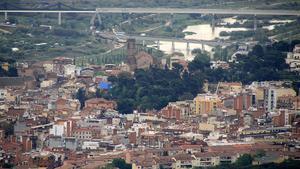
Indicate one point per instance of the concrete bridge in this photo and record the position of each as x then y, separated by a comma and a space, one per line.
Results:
157, 40
165, 11
60, 11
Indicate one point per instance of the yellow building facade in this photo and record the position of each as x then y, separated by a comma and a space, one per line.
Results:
206, 103
5, 66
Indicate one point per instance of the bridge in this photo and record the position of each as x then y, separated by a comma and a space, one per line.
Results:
164, 11
172, 40
200, 11
61, 8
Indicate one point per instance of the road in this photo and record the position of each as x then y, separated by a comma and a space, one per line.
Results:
155, 28
5, 31
169, 11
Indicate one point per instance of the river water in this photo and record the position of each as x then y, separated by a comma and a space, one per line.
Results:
206, 32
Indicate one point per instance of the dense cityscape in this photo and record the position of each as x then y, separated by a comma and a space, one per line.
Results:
158, 84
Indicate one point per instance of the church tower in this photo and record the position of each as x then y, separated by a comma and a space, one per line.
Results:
131, 52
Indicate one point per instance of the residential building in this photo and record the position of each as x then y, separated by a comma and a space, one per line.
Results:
271, 95
187, 107
3, 94
183, 161
229, 88
82, 133
206, 159
282, 118
48, 66
288, 102
59, 64
293, 59
172, 112
242, 101
178, 110
46, 83
69, 70
100, 103
90, 145
206, 103
62, 128
206, 127
219, 65
143, 60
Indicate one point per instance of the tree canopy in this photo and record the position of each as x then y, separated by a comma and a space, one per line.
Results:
81, 96
117, 163
156, 87
261, 64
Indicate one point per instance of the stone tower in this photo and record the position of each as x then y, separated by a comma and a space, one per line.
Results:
131, 52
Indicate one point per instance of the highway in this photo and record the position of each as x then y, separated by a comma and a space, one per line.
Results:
199, 11
168, 11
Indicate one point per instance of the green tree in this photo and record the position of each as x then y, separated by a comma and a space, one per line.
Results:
81, 96
260, 153
121, 164
8, 128
154, 88
244, 160
125, 106
196, 51
257, 51
220, 53
200, 62
12, 72
186, 96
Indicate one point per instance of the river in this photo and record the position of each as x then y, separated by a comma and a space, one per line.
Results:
205, 32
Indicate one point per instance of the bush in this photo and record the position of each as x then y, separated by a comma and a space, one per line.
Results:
224, 33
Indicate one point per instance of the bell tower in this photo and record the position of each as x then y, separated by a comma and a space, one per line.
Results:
131, 52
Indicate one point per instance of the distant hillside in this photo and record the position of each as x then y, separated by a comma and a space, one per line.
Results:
91, 4
131, 3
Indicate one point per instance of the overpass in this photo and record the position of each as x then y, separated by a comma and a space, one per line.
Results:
164, 11
97, 11
200, 11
